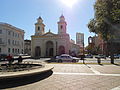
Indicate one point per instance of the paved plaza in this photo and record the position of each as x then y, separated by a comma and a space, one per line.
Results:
72, 77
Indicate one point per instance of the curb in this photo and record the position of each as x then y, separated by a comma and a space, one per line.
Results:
83, 63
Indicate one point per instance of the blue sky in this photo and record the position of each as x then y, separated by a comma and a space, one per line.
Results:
23, 14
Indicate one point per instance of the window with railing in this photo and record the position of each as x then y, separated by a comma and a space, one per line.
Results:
13, 34
8, 50
13, 42
0, 50
13, 50
9, 32
0, 40
8, 41
0, 31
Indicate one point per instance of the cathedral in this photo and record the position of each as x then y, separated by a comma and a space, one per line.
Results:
49, 44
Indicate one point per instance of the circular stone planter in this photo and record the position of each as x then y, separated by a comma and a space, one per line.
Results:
20, 70
18, 67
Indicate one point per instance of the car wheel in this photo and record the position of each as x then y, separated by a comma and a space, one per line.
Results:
74, 60
60, 61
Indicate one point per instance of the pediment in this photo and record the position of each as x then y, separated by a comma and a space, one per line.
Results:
49, 34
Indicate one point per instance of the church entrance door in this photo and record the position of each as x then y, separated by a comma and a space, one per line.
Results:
37, 51
49, 49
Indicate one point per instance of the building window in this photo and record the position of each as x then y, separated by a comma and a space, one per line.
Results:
18, 50
61, 27
18, 35
13, 42
13, 50
13, 34
9, 32
9, 41
8, 50
0, 50
38, 28
0, 31
22, 51
0, 40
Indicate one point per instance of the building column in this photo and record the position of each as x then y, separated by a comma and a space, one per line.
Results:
43, 49
32, 48
54, 48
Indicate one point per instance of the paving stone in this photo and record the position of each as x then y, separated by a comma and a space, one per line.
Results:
76, 82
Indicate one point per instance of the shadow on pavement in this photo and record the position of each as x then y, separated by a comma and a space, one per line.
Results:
50, 61
101, 64
15, 82
116, 64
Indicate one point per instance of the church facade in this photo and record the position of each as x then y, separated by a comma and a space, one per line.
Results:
49, 44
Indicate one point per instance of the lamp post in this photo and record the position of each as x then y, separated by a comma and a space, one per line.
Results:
83, 48
83, 45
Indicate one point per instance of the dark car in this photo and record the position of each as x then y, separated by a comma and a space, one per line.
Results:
100, 56
89, 56
3, 57
116, 56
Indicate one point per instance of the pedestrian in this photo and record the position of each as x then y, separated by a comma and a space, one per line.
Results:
20, 59
9, 59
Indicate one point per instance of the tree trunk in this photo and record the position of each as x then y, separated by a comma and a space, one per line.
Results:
111, 50
112, 58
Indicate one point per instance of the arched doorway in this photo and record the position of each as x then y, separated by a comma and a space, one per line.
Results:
49, 49
37, 51
61, 50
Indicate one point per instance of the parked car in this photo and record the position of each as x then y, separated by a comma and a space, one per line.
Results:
100, 56
116, 56
89, 56
22, 54
3, 57
66, 57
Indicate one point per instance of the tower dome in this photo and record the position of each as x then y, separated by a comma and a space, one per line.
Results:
39, 20
62, 18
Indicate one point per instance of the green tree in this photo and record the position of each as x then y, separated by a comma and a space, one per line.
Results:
92, 49
107, 17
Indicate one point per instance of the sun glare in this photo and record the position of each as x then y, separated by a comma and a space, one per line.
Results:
69, 3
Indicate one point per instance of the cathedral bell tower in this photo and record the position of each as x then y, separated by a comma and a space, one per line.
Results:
39, 27
62, 25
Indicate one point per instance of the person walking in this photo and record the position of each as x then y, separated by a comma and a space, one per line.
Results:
20, 59
9, 59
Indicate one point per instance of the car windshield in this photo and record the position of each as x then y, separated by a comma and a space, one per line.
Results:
63, 56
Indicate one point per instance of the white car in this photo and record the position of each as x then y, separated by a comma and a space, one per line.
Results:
66, 57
